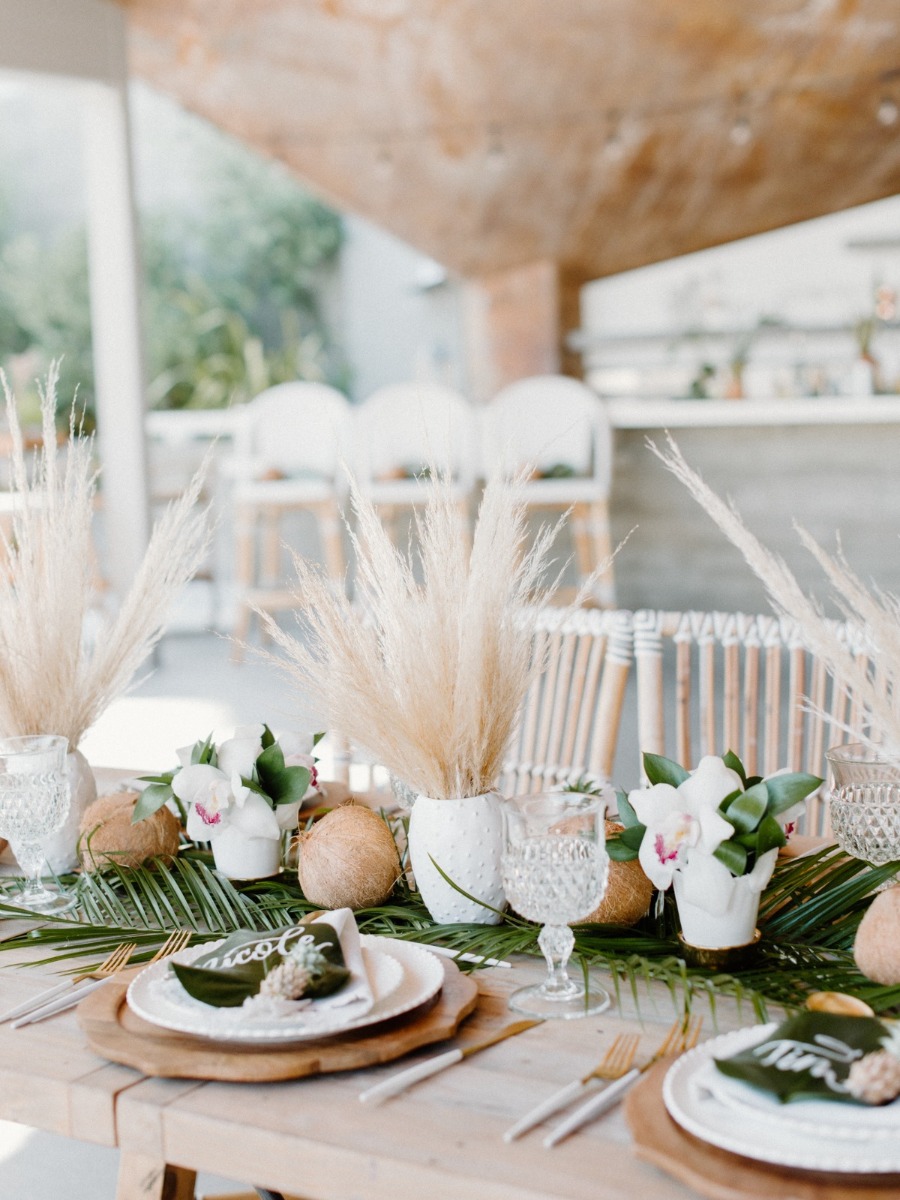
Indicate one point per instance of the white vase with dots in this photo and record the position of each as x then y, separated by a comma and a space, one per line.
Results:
459, 840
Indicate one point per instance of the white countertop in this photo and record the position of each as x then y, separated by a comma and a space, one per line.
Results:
634, 413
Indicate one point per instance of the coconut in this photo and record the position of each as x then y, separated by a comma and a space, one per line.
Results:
628, 892
877, 946
348, 859
107, 835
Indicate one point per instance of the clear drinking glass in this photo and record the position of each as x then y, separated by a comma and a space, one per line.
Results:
865, 803
34, 802
555, 870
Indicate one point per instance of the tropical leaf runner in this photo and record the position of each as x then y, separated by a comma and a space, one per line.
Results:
809, 916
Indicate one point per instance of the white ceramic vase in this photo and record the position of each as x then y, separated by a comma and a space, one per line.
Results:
731, 926
240, 857
464, 837
61, 848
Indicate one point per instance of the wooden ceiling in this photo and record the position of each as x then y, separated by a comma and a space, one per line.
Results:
599, 135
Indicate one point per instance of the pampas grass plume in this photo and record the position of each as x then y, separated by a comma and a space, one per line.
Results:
51, 679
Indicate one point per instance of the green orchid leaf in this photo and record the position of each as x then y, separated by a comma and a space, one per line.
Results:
632, 836
787, 790
204, 753
733, 855
618, 851
747, 810
317, 737
285, 785
732, 796
151, 799
663, 770
806, 1057
627, 815
165, 778
731, 760
770, 836
268, 738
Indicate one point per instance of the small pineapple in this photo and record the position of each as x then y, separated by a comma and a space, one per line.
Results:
875, 1078
288, 981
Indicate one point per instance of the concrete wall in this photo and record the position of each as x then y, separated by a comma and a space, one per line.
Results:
829, 478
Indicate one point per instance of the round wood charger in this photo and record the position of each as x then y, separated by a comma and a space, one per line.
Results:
721, 1175
118, 1034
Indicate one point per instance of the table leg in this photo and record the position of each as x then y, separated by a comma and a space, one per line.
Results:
142, 1178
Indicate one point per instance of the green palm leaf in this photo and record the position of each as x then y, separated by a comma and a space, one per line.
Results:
809, 916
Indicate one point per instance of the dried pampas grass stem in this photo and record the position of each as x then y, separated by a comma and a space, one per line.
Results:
426, 676
875, 614
52, 680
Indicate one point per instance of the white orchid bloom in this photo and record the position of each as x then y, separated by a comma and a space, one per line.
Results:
209, 797
296, 745
702, 793
287, 815
238, 755
254, 818
664, 845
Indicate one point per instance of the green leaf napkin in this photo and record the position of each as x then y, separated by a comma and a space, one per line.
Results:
807, 1057
228, 975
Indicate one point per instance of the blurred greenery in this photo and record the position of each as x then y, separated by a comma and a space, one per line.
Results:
235, 290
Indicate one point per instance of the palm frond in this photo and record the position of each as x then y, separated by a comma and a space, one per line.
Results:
809, 916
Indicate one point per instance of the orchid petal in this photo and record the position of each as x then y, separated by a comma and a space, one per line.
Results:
238, 755
664, 845
653, 804
255, 818
708, 785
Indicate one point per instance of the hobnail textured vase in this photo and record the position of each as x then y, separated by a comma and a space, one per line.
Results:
464, 837
61, 848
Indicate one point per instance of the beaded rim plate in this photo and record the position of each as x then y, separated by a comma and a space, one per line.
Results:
756, 1135
403, 977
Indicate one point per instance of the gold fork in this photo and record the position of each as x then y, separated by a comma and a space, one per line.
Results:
114, 962
683, 1035
177, 940
614, 1064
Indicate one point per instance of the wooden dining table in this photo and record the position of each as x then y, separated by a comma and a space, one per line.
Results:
439, 1140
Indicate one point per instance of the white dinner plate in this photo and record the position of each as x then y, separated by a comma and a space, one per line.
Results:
697, 1107
821, 1118
402, 976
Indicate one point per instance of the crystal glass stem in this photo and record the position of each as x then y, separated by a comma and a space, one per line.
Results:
556, 942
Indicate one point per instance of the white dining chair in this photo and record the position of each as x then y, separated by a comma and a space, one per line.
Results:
290, 442
403, 430
557, 428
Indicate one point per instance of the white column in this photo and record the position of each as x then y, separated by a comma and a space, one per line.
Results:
116, 329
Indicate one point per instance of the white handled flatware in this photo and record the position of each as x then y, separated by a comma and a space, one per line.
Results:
110, 965
70, 1000
615, 1063
404, 1079
682, 1036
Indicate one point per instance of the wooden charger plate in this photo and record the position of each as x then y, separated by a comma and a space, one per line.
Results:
118, 1034
721, 1175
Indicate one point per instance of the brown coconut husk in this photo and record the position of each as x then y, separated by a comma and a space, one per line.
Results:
107, 835
877, 946
628, 893
348, 859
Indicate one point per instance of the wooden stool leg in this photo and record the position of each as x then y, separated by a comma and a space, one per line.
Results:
271, 547
605, 589
244, 572
142, 1178
329, 518
584, 550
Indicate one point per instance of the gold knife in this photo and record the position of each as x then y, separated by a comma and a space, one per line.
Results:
404, 1079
